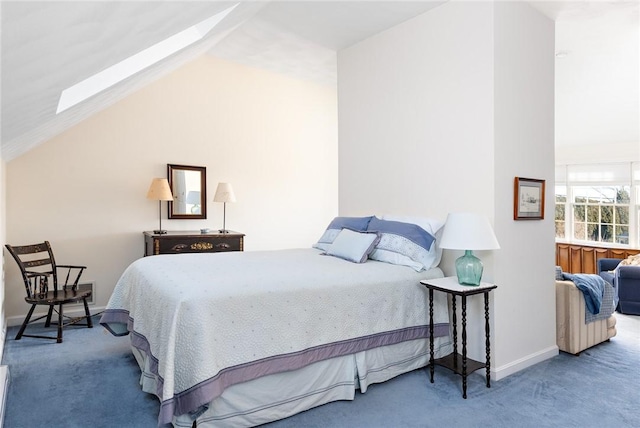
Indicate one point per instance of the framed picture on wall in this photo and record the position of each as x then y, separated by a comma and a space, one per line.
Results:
528, 199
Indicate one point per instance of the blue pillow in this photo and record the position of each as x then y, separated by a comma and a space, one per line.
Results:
353, 246
406, 239
359, 224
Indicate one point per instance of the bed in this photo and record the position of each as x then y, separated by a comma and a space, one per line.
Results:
245, 338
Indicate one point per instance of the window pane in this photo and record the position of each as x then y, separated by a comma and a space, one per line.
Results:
593, 213
579, 230
601, 194
559, 229
578, 213
622, 215
606, 233
560, 212
622, 234
606, 214
623, 196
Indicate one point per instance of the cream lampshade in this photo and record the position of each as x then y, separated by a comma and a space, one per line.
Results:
224, 194
159, 190
468, 231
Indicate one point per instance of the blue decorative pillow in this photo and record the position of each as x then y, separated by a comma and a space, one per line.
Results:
353, 246
406, 239
359, 224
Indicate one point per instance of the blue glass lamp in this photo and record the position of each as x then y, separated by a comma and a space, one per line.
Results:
468, 232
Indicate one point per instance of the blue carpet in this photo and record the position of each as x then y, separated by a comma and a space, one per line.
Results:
91, 380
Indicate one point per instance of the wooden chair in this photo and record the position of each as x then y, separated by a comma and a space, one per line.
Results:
39, 272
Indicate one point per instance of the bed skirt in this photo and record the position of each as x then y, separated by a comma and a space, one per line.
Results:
277, 396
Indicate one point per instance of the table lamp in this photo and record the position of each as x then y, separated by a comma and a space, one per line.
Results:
224, 194
160, 191
468, 232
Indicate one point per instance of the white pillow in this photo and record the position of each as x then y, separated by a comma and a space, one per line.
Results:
395, 259
431, 225
353, 246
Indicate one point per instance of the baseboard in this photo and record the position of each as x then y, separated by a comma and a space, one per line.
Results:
521, 364
4, 389
75, 312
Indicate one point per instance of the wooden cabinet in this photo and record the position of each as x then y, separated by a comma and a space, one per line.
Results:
178, 242
574, 258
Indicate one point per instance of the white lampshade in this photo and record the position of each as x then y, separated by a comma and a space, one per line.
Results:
468, 231
224, 193
160, 190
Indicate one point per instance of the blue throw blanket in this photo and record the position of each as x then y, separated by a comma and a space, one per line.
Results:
592, 286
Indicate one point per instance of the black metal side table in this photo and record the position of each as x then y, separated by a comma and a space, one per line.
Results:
460, 364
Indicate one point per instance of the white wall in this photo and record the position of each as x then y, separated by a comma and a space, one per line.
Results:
3, 231
273, 137
524, 146
424, 130
415, 116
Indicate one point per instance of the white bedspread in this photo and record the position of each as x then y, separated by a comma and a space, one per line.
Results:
213, 320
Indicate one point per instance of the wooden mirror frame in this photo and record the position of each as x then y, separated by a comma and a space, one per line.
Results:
178, 194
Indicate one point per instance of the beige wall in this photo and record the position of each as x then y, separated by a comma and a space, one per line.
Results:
274, 138
428, 124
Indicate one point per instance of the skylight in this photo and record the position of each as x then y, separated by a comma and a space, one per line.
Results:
128, 67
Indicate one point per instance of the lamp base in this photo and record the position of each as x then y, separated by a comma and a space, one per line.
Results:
159, 232
469, 269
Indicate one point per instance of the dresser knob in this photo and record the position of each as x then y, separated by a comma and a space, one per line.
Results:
223, 245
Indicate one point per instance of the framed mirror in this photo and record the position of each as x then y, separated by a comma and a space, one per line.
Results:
189, 188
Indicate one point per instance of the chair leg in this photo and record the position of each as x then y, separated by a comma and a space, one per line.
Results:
25, 322
59, 338
48, 322
86, 311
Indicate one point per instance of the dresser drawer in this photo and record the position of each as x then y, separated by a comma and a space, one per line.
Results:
178, 243
199, 245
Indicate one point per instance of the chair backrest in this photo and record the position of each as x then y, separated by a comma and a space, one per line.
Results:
36, 264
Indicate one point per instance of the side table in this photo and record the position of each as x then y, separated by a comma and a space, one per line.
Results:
460, 364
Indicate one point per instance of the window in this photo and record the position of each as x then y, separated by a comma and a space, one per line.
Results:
601, 213
598, 203
561, 205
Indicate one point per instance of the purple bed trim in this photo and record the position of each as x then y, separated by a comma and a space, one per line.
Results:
191, 399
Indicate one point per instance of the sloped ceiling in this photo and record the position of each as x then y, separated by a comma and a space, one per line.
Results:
49, 46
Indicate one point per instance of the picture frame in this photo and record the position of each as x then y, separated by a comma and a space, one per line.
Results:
528, 199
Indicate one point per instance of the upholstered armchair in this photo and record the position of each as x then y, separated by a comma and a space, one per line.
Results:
626, 283
573, 333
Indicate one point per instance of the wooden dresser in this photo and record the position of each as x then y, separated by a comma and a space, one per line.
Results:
177, 242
